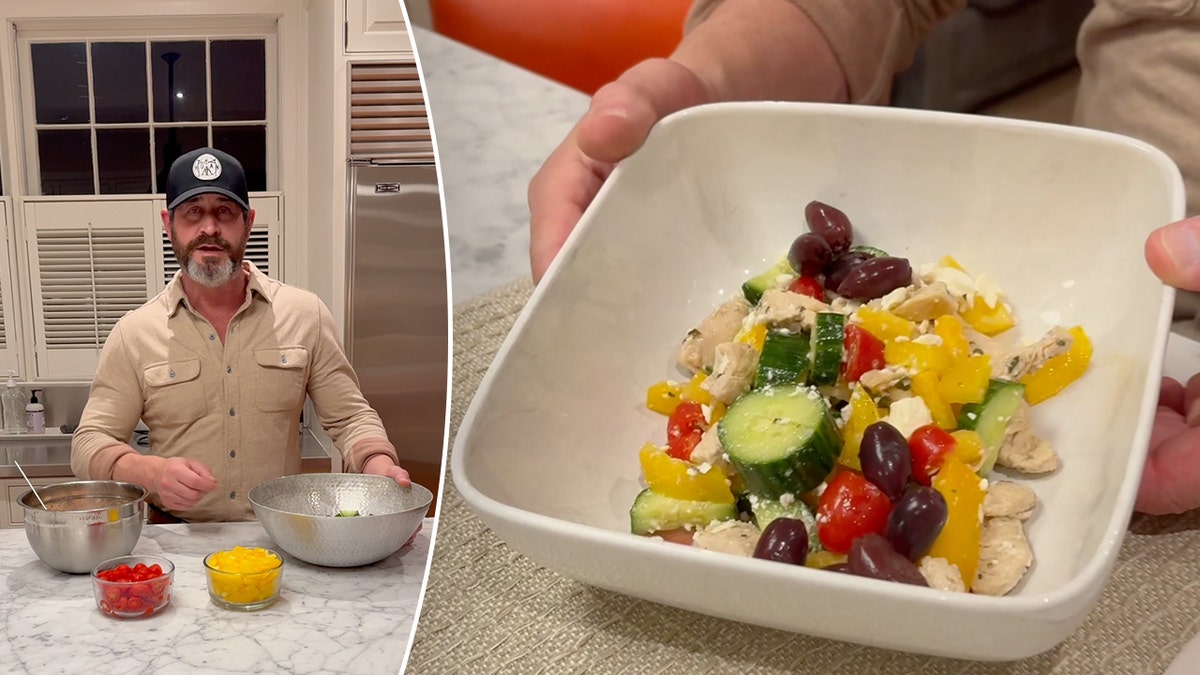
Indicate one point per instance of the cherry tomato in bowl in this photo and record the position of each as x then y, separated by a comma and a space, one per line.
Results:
133, 586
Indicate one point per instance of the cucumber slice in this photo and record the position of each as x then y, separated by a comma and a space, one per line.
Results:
869, 250
828, 336
771, 278
781, 439
990, 417
766, 510
784, 359
652, 512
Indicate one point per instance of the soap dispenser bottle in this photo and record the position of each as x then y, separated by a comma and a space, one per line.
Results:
35, 415
12, 406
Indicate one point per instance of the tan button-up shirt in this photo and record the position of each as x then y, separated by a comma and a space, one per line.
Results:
234, 406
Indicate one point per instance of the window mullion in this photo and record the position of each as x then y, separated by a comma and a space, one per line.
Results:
155, 187
208, 88
87, 60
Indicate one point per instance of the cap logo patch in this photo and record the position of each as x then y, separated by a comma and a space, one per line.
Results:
206, 167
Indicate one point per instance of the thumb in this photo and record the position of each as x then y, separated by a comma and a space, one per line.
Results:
199, 468
622, 112
1173, 253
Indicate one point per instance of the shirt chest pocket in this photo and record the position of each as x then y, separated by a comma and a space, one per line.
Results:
174, 392
282, 376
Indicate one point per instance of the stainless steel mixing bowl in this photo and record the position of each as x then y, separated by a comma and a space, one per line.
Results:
84, 522
300, 514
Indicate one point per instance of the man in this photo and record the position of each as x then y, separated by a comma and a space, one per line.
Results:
218, 366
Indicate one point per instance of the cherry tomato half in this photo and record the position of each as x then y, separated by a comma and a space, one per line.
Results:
685, 426
863, 353
809, 286
929, 446
850, 507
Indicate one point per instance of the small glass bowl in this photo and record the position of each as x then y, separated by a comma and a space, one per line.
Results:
244, 591
133, 599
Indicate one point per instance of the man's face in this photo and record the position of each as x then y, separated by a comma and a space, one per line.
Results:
208, 234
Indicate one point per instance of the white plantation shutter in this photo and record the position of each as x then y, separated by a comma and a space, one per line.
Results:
388, 119
90, 264
9, 358
262, 249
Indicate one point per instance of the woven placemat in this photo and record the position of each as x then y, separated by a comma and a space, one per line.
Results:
489, 609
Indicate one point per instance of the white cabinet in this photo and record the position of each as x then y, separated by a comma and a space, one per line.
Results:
376, 26
10, 357
14, 513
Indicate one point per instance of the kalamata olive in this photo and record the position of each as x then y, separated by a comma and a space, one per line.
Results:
837, 270
875, 278
830, 224
783, 540
916, 520
809, 254
885, 458
872, 556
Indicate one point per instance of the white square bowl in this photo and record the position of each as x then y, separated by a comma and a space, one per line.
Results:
547, 452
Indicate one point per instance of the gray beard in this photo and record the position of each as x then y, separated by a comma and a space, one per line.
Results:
212, 276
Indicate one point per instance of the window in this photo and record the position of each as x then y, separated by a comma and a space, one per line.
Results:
109, 116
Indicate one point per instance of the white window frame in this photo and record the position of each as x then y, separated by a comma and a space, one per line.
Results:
145, 30
10, 351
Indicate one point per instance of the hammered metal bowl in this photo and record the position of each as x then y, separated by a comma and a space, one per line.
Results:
300, 514
84, 522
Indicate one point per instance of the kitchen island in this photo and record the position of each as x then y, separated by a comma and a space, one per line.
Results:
327, 620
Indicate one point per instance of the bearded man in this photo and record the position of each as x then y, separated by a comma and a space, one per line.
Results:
218, 366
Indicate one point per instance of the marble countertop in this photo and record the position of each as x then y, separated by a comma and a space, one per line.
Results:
494, 124
327, 620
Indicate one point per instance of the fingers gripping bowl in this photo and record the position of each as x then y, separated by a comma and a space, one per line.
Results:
339, 519
546, 454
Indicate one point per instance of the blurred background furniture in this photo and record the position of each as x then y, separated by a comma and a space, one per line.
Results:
989, 51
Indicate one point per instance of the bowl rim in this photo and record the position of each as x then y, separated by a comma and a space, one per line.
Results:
21, 500
168, 567
426, 496
1083, 587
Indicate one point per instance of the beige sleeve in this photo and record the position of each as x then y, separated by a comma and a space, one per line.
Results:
113, 408
347, 417
872, 39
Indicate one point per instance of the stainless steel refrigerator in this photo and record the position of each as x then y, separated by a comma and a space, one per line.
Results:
397, 321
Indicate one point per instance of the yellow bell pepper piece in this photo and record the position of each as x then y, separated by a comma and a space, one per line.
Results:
925, 385
989, 320
863, 413
949, 261
692, 391
716, 412
958, 542
916, 356
966, 380
883, 324
968, 447
1059, 371
755, 336
954, 338
823, 559
680, 480
663, 397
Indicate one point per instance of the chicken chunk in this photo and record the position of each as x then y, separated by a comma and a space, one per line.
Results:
729, 536
784, 309
696, 353
734, 366
927, 303
709, 451
939, 573
1023, 449
1004, 556
1006, 499
882, 380
1028, 359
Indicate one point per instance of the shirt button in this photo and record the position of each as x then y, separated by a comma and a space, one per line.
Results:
171, 374
212, 336
229, 370
233, 453
233, 495
231, 412
283, 359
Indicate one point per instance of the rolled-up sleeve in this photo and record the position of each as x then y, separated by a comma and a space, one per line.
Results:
344, 412
113, 408
871, 39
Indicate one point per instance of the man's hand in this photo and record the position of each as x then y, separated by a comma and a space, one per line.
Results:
182, 482
382, 465
1171, 479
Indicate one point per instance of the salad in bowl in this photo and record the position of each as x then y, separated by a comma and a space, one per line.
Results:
848, 411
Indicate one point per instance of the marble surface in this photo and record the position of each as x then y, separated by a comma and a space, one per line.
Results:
494, 125
327, 620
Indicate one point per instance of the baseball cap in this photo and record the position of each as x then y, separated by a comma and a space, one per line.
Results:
206, 170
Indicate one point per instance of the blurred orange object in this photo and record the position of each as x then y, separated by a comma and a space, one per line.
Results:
583, 44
